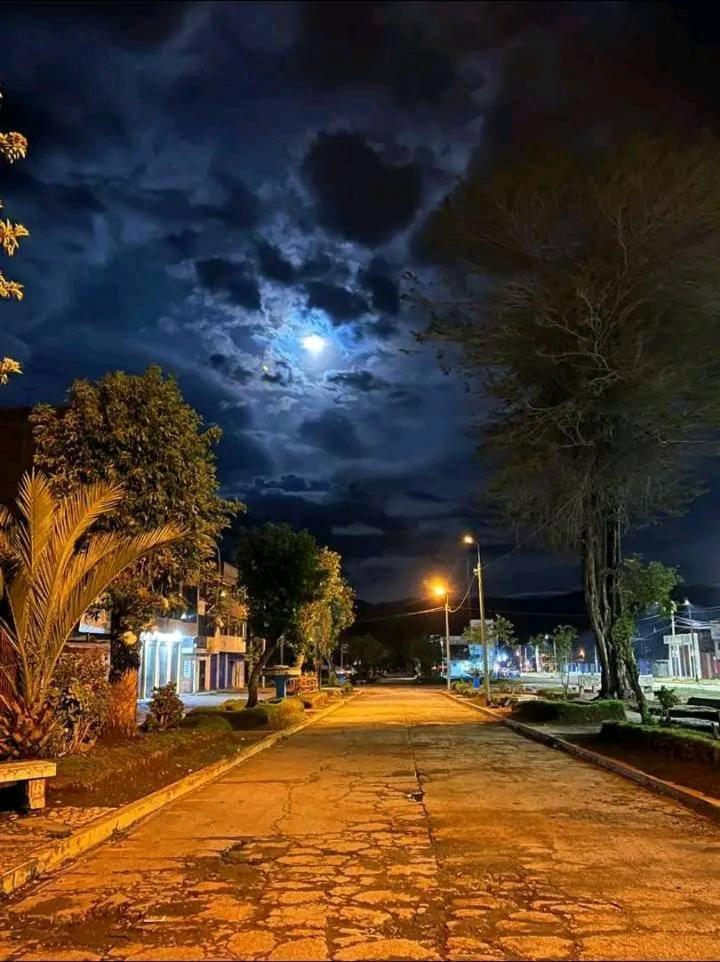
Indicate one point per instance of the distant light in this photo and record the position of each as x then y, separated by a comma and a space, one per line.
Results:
313, 343
468, 539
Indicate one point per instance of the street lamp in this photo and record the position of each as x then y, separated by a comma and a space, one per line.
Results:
468, 540
439, 589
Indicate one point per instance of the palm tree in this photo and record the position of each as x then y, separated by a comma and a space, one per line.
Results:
55, 569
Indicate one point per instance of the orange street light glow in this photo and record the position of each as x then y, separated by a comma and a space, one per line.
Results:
439, 589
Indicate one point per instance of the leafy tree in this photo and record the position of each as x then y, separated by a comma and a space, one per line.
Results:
473, 636
423, 655
640, 586
139, 431
321, 620
540, 642
563, 640
503, 630
55, 563
366, 654
280, 570
590, 293
13, 146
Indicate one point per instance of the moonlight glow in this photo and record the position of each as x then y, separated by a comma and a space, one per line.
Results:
313, 343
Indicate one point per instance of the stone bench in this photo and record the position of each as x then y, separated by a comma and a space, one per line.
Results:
33, 774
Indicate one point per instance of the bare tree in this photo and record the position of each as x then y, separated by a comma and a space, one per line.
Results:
589, 308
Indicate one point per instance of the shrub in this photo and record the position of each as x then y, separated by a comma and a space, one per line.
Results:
208, 722
674, 742
461, 687
233, 704
572, 712
80, 697
284, 714
313, 699
347, 688
165, 710
559, 694
668, 698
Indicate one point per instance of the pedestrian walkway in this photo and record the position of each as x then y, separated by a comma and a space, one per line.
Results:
404, 826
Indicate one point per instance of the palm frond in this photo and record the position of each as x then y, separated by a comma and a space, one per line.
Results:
83, 589
59, 568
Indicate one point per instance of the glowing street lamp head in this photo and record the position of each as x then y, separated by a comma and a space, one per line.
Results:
439, 589
468, 539
313, 343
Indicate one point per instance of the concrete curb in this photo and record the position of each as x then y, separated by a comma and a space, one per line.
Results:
699, 802
58, 853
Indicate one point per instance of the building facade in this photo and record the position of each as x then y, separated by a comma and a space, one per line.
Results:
202, 650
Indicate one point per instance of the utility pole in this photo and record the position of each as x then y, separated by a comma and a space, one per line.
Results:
468, 539
447, 637
483, 639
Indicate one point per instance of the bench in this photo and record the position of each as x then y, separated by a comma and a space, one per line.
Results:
33, 773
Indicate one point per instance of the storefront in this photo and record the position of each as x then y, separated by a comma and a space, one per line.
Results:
173, 652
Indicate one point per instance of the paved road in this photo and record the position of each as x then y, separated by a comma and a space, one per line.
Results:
401, 827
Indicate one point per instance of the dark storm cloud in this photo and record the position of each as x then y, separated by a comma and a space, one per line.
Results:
317, 266
346, 43
342, 305
273, 265
282, 373
292, 483
363, 381
135, 21
226, 366
383, 329
358, 195
234, 279
384, 291
429, 496
239, 209
241, 457
332, 432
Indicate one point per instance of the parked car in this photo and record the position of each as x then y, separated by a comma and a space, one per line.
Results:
508, 671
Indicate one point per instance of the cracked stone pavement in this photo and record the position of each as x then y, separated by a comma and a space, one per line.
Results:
403, 826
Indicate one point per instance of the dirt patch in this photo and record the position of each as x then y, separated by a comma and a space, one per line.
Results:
697, 775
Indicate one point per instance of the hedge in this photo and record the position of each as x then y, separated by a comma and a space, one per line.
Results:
570, 712
267, 714
675, 742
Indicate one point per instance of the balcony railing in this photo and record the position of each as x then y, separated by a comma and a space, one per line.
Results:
232, 643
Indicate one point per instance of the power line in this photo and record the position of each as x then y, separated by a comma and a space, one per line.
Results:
400, 614
529, 538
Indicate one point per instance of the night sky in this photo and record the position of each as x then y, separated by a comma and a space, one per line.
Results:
210, 185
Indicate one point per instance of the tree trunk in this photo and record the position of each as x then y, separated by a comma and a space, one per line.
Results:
122, 719
601, 562
600, 553
257, 670
124, 662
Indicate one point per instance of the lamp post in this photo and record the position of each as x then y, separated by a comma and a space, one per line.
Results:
468, 539
439, 590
